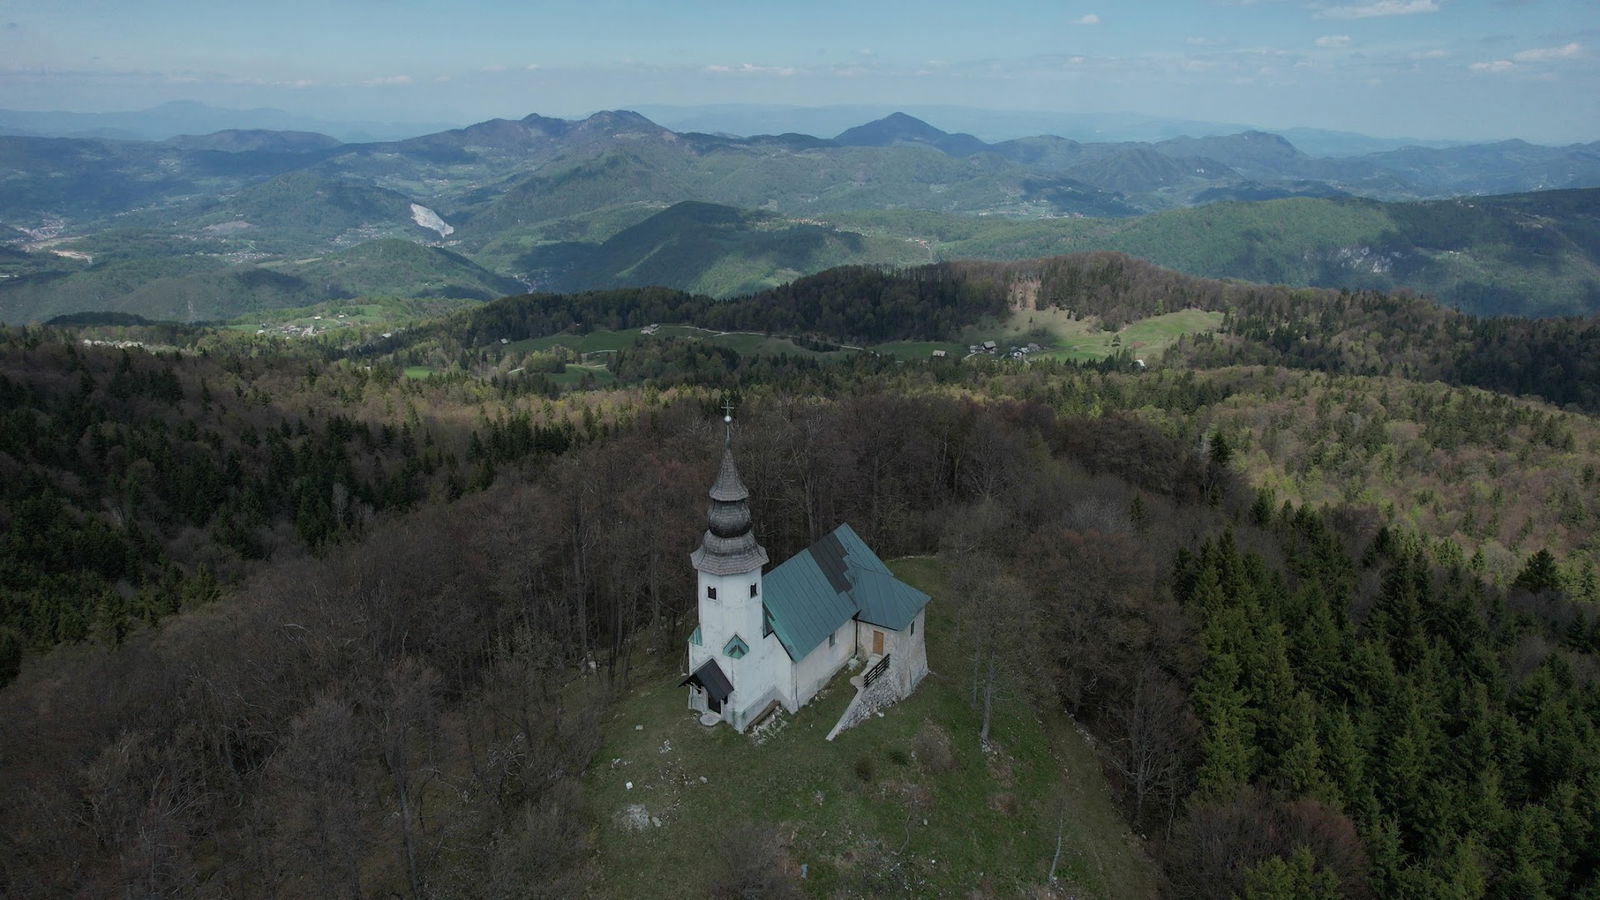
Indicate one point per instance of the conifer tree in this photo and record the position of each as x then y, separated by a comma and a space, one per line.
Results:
1296, 878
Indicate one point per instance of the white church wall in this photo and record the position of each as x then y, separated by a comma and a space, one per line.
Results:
911, 660
818, 666
763, 676
864, 632
733, 611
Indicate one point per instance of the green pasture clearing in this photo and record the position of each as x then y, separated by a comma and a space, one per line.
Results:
762, 345
1064, 337
1151, 337
915, 350
575, 374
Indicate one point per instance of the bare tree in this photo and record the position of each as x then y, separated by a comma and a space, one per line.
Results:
408, 711
1154, 736
320, 806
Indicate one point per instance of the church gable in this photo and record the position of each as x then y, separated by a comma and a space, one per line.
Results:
886, 600
834, 580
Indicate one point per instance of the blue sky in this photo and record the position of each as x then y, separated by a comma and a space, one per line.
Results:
1473, 69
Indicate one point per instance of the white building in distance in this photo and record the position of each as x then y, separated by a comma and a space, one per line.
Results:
772, 641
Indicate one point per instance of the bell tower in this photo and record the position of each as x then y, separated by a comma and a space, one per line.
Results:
729, 561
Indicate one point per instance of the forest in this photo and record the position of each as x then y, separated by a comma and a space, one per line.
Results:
349, 632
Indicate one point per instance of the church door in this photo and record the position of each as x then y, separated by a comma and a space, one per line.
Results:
877, 642
712, 703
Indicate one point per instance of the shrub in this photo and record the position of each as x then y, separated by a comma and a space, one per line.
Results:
866, 767
753, 865
932, 748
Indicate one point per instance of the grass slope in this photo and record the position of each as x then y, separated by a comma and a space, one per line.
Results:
1064, 336
863, 814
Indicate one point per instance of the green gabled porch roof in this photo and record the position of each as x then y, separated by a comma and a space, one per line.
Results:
825, 585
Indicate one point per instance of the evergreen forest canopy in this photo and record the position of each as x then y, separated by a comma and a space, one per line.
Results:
1321, 583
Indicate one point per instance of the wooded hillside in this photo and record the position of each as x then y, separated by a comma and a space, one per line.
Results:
1328, 612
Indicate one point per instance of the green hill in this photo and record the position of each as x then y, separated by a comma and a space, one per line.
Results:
195, 288
308, 203
1523, 254
708, 249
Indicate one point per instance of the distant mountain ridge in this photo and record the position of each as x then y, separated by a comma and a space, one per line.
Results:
179, 117
538, 199
899, 128
237, 140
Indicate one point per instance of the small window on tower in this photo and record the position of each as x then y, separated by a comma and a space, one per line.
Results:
752, 590
832, 639
711, 593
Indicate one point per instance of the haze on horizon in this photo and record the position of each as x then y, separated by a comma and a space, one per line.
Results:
1432, 69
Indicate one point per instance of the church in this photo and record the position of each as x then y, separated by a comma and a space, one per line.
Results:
774, 640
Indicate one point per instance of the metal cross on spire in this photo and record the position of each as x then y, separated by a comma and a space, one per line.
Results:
727, 421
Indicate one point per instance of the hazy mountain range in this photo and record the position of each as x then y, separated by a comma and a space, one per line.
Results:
542, 202
187, 118
182, 117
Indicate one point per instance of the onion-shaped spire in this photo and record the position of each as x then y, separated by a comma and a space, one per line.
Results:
729, 545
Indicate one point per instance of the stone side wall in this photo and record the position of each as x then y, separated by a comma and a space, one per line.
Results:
883, 692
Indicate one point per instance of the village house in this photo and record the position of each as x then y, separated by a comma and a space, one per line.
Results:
772, 641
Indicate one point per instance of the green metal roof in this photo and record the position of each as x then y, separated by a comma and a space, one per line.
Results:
834, 580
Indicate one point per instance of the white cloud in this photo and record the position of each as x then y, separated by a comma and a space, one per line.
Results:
1499, 65
1090, 19
387, 81
1547, 54
751, 69
1378, 8
1430, 54
1333, 40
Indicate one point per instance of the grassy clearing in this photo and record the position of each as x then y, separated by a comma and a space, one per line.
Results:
762, 345
418, 372
1151, 337
575, 374
1146, 339
914, 350
367, 312
1066, 337
592, 342
863, 814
